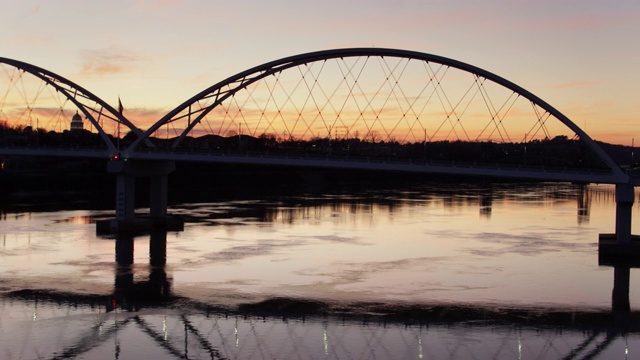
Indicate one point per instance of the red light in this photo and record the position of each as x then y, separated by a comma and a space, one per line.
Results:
116, 157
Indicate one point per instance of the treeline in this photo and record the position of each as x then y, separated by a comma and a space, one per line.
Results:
556, 152
29, 137
559, 151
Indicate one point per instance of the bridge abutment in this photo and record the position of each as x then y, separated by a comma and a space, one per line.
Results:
126, 173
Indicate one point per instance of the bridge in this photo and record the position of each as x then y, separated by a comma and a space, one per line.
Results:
356, 108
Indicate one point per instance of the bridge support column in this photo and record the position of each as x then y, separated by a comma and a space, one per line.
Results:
125, 197
126, 172
158, 196
624, 203
613, 248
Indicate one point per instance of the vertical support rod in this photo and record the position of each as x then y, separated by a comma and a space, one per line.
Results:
125, 197
158, 196
624, 203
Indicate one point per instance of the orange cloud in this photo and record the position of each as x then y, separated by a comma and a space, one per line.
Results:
143, 118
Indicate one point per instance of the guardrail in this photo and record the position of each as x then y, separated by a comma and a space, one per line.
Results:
346, 161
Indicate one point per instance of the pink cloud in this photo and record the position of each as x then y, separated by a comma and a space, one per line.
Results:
575, 84
110, 61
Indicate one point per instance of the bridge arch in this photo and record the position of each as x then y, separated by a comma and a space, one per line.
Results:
94, 109
184, 119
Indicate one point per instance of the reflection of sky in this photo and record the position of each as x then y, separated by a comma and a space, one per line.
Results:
532, 249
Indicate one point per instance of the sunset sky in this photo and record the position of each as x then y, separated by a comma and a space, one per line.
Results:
582, 57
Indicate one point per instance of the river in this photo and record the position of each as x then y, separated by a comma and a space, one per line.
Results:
427, 271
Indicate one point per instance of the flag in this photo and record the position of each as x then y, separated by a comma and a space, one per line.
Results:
120, 108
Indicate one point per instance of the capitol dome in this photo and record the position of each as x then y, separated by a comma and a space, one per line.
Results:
76, 122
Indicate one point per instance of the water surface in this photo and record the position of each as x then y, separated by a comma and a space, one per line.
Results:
429, 271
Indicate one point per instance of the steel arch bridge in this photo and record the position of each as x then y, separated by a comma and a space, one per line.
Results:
369, 104
42, 100
367, 108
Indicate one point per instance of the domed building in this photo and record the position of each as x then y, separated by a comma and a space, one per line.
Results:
76, 122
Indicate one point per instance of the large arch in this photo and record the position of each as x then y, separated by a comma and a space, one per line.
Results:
82, 99
223, 90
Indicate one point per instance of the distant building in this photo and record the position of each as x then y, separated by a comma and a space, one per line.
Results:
76, 122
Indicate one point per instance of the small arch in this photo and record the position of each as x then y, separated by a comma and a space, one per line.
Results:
77, 94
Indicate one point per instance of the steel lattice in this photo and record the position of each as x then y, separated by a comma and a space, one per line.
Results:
368, 102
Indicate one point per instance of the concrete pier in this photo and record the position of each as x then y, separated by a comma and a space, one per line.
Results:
624, 203
126, 221
621, 244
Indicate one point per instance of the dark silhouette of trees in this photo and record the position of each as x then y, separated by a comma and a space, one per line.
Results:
560, 151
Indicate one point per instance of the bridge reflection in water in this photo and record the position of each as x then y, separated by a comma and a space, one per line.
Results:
143, 319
